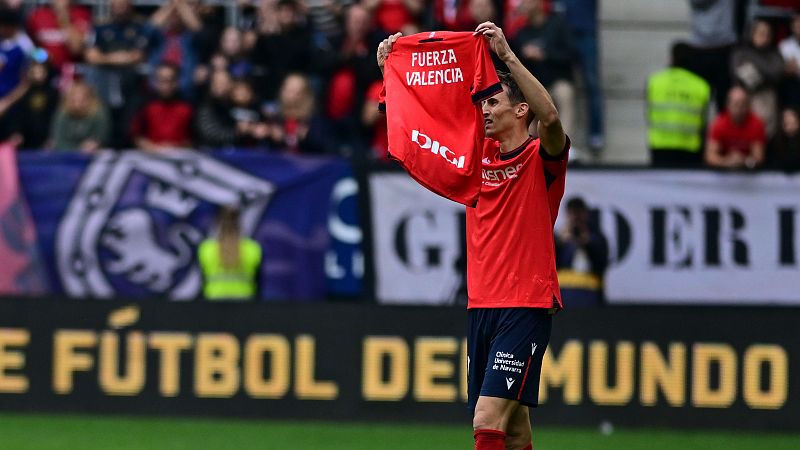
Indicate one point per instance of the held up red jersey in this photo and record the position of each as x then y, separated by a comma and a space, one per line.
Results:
433, 85
510, 250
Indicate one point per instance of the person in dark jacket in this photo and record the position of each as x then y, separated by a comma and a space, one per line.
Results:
581, 256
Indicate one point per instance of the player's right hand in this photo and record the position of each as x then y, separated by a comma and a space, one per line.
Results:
385, 47
497, 40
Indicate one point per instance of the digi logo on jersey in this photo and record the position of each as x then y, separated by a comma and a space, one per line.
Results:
135, 220
437, 148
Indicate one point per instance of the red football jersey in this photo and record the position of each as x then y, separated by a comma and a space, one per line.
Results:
45, 31
434, 83
734, 137
510, 251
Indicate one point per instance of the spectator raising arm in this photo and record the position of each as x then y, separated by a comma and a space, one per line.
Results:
75, 38
184, 11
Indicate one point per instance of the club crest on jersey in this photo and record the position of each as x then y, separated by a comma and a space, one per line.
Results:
425, 142
134, 221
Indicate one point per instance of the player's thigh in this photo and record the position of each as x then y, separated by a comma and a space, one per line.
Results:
480, 330
513, 369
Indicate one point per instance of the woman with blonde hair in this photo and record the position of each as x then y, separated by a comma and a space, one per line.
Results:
81, 123
230, 262
297, 126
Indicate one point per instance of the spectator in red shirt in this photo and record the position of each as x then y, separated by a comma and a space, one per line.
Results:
737, 137
375, 121
392, 16
283, 45
166, 121
451, 15
347, 65
297, 126
61, 29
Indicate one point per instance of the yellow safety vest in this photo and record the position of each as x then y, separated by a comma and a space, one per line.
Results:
676, 108
226, 284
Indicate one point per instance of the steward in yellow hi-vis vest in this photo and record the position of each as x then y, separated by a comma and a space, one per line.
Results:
230, 262
677, 102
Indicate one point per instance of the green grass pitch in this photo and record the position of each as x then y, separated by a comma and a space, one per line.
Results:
34, 432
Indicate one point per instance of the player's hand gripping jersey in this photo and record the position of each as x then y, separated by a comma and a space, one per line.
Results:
433, 84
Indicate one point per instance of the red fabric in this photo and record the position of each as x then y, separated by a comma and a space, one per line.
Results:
516, 15
291, 135
172, 53
510, 253
737, 138
164, 122
44, 31
22, 273
452, 15
524, 377
380, 141
392, 15
432, 84
787, 4
489, 440
341, 94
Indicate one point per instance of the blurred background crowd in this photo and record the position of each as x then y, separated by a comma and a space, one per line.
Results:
299, 76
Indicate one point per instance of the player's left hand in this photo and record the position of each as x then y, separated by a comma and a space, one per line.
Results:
497, 40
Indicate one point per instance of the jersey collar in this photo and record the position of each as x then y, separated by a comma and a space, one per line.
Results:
516, 151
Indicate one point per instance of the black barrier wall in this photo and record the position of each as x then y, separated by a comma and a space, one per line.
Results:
653, 366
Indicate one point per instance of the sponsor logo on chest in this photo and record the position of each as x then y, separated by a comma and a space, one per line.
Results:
496, 176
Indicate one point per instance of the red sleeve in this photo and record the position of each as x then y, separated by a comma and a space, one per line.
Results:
759, 130
382, 98
82, 20
138, 125
486, 83
32, 26
375, 92
555, 170
556, 165
717, 130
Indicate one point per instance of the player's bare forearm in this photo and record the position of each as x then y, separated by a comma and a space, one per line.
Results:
539, 101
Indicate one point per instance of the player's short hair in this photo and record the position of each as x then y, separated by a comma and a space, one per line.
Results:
515, 94
512, 88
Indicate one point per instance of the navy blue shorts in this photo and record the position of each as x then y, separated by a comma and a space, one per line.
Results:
505, 347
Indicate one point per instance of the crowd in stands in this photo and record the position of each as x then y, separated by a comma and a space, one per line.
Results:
299, 76
748, 67
294, 76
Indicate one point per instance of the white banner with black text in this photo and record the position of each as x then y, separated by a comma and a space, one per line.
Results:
689, 237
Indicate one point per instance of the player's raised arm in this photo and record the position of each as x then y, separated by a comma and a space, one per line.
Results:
539, 101
385, 47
